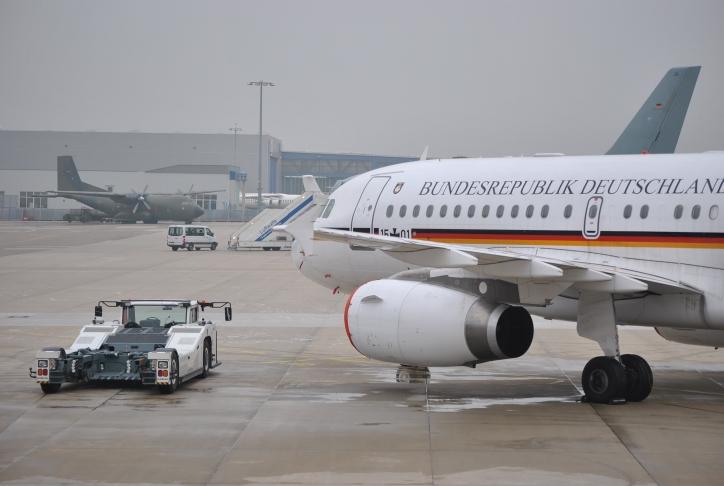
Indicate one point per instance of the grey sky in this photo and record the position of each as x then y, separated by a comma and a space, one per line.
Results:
465, 77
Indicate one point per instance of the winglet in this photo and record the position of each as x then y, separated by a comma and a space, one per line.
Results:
656, 127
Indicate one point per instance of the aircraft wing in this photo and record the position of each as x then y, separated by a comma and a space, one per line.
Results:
539, 278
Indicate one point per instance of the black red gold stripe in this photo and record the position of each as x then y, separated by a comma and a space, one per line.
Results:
572, 238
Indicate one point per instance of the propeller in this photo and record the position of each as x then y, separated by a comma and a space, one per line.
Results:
140, 199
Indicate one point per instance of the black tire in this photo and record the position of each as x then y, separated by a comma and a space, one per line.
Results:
639, 377
174, 248
206, 365
213, 246
189, 247
173, 374
198, 248
50, 387
604, 379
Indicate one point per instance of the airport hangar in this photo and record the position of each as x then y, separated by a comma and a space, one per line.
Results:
165, 162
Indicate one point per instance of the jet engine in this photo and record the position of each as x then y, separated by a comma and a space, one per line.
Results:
426, 324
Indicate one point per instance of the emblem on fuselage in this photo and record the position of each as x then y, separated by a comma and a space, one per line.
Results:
398, 187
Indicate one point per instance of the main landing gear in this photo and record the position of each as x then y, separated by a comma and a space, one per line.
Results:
607, 380
614, 378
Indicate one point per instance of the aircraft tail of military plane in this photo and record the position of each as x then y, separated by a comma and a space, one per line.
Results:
69, 179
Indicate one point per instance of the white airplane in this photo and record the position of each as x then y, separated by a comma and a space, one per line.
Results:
445, 260
268, 199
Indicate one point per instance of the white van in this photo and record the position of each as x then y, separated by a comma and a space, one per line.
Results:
191, 237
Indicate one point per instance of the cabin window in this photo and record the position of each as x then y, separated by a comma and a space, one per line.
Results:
529, 211
456, 211
486, 211
471, 210
568, 211
644, 213
592, 212
695, 212
714, 212
627, 211
403, 211
514, 211
390, 209
544, 211
430, 209
499, 212
328, 208
678, 211
443, 210
416, 211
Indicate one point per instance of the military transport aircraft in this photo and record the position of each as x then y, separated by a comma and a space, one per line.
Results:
446, 260
129, 207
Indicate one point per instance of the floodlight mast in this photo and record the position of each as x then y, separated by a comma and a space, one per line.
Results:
236, 131
261, 85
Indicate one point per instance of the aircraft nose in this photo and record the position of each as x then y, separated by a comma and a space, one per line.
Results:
198, 212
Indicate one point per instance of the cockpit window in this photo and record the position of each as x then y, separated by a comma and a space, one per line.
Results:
328, 208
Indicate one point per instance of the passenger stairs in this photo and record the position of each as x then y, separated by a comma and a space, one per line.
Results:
258, 234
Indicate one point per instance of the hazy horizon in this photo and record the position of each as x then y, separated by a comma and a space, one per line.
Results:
464, 77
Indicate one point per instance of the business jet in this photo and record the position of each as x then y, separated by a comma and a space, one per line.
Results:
445, 261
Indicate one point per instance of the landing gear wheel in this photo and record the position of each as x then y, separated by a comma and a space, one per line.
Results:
207, 360
173, 375
50, 387
639, 377
604, 380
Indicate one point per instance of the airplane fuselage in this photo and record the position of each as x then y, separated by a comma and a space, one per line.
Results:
652, 214
163, 207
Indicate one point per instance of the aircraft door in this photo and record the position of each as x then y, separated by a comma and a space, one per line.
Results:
363, 216
591, 229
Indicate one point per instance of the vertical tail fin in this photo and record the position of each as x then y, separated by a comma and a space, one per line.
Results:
656, 127
68, 177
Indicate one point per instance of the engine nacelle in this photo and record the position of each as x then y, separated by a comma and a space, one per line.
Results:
423, 324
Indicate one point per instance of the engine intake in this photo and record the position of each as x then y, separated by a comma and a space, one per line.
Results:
423, 324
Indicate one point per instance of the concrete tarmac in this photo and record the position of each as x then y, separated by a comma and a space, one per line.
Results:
294, 403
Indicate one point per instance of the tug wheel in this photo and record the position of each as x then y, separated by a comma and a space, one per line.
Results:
207, 359
173, 375
50, 387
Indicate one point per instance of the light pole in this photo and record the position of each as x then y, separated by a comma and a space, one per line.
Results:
261, 85
236, 131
